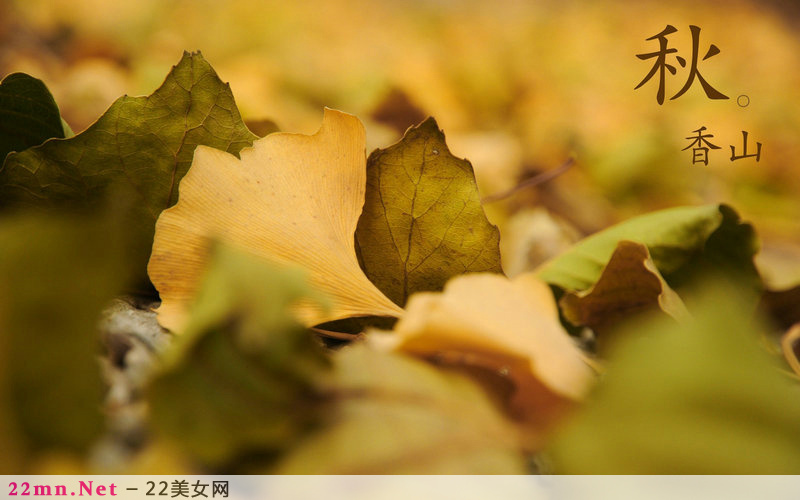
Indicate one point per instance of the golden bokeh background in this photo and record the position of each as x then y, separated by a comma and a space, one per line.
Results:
517, 87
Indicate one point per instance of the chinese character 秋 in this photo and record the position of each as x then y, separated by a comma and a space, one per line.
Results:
661, 65
710, 91
744, 154
699, 151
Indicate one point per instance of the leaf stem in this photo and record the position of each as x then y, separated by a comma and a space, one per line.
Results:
532, 181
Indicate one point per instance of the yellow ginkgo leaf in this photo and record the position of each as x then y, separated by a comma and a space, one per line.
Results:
510, 327
292, 199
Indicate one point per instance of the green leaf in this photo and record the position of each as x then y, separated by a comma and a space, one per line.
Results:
703, 398
398, 415
245, 384
67, 129
423, 222
684, 243
28, 114
242, 377
56, 274
144, 144
629, 284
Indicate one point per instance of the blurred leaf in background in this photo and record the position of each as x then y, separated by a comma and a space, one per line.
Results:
56, 274
245, 387
701, 398
510, 329
399, 415
242, 379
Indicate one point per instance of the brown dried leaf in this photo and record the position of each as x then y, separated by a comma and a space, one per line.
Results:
511, 327
629, 284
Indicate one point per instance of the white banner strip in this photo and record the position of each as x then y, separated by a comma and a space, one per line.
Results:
405, 487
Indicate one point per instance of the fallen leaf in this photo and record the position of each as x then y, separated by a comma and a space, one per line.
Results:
292, 199
56, 274
701, 397
246, 385
143, 143
28, 114
397, 415
629, 284
423, 222
509, 327
243, 377
684, 243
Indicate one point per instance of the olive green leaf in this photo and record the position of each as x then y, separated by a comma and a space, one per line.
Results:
684, 243
699, 398
245, 385
629, 284
56, 274
142, 143
28, 114
422, 221
399, 415
241, 378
